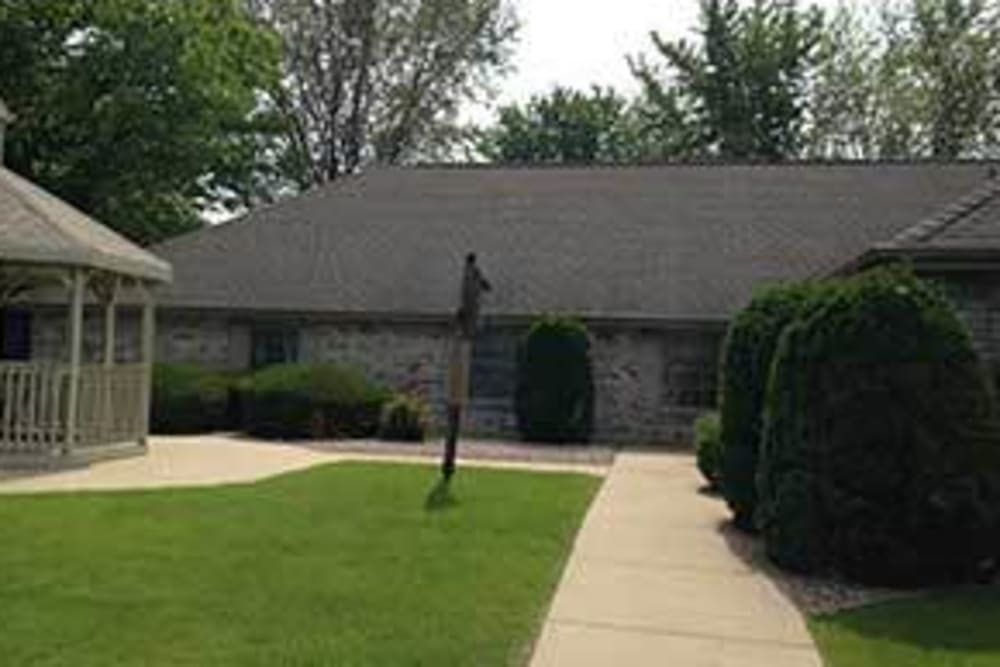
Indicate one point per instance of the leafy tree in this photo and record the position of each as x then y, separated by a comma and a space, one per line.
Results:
380, 79
567, 126
910, 80
740, 89
142, 113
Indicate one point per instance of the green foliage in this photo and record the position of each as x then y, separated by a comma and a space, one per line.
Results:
566, 126
741, 90
555, 384
405, 418
907, 80
708, 444
142, 113
367, 80
881, 456
295, 401
189, 399
746, 363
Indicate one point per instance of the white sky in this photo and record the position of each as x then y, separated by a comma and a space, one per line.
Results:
579, 42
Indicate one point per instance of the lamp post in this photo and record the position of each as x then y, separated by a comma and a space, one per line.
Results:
474, 285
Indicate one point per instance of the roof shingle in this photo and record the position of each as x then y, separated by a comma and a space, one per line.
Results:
664, 242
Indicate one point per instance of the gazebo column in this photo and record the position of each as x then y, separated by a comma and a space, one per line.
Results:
108, 293
148, 342
78, 283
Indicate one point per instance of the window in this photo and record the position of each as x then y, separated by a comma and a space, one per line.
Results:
689, 384
273, 345
494, 365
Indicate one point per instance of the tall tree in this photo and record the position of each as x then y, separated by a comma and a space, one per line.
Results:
740, 86
916, 79
143, 113
567, 126
381, 80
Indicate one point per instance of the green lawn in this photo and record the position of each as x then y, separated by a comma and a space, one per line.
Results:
340, 565
954, 629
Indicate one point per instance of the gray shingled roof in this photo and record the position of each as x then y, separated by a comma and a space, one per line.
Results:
667, 242
38, 228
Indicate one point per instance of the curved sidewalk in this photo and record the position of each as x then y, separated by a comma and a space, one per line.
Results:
651, 582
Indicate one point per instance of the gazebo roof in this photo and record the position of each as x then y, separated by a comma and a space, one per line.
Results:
38, 228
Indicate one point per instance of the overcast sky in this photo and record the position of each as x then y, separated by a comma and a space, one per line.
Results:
579, 42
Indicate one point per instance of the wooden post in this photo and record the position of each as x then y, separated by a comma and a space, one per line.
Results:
110, 298
78, 282
148, 341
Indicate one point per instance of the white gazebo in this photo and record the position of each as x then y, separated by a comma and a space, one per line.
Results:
64, 408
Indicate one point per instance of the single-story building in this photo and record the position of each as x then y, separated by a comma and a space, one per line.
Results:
656, 259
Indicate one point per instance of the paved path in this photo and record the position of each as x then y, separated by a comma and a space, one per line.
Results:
212, 460
651, 582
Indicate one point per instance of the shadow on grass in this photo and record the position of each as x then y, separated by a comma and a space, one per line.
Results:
961, 620
440, 497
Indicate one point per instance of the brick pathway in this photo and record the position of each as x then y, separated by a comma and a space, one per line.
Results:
651, 582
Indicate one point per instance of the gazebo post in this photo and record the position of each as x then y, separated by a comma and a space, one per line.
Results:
110, 298
148, 340
77, 285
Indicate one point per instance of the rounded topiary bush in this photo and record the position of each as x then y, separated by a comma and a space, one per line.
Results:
746, 362
296, 401
708, 444
555, 383
188, 399
881, 457
404, 419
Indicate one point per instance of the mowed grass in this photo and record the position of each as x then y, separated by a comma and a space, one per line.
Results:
949, 629
340, 565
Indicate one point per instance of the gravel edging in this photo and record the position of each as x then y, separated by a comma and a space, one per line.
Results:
482, 450
812, 595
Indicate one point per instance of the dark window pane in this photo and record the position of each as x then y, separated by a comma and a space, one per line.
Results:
271, 346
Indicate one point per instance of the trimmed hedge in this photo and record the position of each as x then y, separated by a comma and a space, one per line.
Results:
189, 399
555, 382
746, 362
881, 457
708, 443
405, 418
296, 401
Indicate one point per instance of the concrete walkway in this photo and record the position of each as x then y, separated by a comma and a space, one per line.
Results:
213, 460
651, 582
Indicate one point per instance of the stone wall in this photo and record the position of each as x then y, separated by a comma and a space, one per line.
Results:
650, 384
977, 296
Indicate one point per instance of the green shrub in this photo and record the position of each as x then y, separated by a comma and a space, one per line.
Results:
708, 442
880, 453
297, 401
404, 419
746, 362
555, 384
188, 399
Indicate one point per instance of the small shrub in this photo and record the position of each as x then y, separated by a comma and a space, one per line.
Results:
404, 419
188, 399
555, 384
708, 442
296, 401
746, 362
881, 456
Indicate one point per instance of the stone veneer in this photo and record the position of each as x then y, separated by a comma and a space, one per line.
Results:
650, 383
977, 295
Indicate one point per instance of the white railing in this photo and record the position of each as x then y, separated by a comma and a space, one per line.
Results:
112, 405
34, 407
33, 413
